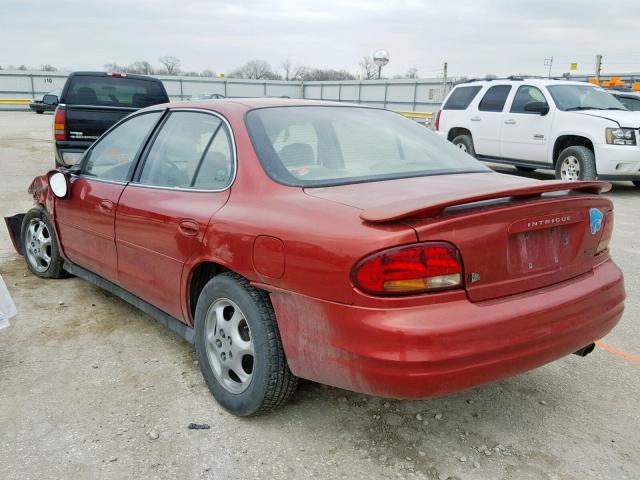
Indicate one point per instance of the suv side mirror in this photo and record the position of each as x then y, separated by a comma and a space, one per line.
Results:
50, 99
59, 184
537, 107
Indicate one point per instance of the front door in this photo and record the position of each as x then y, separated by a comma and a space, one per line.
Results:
86, 219
164, 212
525, 135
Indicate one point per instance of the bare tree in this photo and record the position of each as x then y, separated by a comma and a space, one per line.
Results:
22, 67
141, 66
412, 73
256, 70
48, 68
326, 74
171, 64
208, 73
369, 69
114, 67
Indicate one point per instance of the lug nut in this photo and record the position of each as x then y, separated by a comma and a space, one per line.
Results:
218, 343
223, 356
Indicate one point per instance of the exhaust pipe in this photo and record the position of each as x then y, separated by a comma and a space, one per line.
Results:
584, 351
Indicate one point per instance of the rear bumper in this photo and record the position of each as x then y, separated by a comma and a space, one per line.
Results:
615, 162
420, 352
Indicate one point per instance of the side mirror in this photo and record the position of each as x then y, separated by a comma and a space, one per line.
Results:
50, 99
59, 184
537, 107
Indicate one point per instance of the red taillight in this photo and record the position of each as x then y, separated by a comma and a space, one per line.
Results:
438, 120
60, 124
117, 75
607, 231
418, 268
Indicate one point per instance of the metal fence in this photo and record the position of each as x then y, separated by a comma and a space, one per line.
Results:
422, 95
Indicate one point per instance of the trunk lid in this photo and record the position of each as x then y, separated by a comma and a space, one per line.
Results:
513, 234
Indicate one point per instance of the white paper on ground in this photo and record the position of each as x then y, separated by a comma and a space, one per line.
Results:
7, 307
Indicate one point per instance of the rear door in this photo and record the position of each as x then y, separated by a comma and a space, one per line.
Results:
163, 214
86, 218
525, 135
487, 120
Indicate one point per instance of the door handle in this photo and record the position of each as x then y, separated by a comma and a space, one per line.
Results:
106, 205
188, 227
475, 119
511, 121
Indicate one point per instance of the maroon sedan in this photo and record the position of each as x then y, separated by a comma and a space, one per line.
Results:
342, 244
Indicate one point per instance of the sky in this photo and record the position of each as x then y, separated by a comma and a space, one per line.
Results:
475, 37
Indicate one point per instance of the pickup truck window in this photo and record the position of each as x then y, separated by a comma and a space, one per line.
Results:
494, 99
113, 156
461, 97
114, 92
526, 94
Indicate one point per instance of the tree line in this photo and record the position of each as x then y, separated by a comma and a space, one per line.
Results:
253, 69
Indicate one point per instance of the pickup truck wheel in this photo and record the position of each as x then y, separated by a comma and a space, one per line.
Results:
239, 348
40, 245
576, 163
636, 183
465, 143
39, 111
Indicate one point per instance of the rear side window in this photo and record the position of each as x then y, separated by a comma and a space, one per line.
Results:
461, 97
114, 92
192, 150
494, 99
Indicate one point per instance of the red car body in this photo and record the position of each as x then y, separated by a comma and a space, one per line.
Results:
301, 245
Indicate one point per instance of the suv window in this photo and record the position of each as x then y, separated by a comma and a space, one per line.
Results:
112, 157
631, 103
461, 97
526, 94
192, 150
494, 99
114, 91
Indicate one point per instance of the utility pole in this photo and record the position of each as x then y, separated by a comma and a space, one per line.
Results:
598, 67
444, 81
548, 62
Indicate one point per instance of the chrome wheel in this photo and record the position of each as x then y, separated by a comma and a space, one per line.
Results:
38, 245
570, 168
229, 345
462, 146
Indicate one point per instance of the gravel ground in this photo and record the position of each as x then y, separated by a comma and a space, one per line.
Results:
92, 388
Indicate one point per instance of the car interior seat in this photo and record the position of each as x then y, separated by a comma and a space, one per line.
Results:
296, 155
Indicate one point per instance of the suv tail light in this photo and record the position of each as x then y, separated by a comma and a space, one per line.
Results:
417, 268
438, 120
117, 74
60, 124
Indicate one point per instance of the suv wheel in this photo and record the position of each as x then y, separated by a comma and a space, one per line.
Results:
464, 143
40, 245
239, 348
576, 163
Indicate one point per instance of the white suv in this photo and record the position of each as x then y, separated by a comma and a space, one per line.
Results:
574, 128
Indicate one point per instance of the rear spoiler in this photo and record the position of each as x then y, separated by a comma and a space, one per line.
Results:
433, 205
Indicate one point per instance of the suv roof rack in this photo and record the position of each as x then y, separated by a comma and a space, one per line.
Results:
513, 78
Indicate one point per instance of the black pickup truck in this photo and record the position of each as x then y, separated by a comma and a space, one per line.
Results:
91, 102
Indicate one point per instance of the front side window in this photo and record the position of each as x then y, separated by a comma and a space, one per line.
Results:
583, 97
321, 146
461, 97
192, 150
494, 99
525, 95
112, 158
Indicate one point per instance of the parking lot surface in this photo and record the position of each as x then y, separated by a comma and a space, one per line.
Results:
92, 388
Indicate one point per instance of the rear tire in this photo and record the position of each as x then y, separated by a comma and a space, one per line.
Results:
40, 245
239, 348
576, 163
636, 183
465, 143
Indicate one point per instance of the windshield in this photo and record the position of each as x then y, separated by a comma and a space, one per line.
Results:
328, 145
583, 97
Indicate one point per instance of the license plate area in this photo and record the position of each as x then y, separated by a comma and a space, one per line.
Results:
543, 249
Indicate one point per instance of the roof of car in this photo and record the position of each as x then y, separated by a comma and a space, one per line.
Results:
523, 80
251, 103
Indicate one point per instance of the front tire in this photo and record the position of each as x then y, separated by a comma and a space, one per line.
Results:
40, 245
239, 348
465, 143
576, 163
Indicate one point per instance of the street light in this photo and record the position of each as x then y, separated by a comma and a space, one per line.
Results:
380, 58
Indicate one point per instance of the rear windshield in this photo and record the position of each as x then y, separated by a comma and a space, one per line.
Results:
114, 92
461, 97
322, 146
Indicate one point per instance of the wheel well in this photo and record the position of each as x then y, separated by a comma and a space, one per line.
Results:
200, 275
454, 132
569, 141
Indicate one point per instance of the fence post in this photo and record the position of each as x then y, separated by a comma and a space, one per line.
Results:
386, 86
415, 94
33, 92
265, 88
181, 96
340, 92
225, 87
359, 91
321, 91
